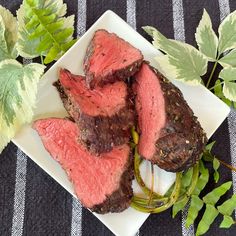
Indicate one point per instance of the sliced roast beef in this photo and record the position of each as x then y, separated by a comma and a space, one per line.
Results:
104, 115
170, 134
110, 58
102, 184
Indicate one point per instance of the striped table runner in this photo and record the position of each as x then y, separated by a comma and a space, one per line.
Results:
32, 203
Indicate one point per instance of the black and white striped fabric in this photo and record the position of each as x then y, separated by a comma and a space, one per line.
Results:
32, 203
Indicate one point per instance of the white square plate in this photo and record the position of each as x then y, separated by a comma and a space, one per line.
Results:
208, 108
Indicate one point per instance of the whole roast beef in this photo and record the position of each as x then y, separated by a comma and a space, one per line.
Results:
170, 134
110, 58
104, 115
102, 184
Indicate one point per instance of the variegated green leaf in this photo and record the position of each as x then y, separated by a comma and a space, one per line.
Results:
206, 38
229, 59
18, 87
229, 88
187, 62
227, 33
44, 30
228, 74
218, 90
164, 66
149, 30
8, 34
4, 54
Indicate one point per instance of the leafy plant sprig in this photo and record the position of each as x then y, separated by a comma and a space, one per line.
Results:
44, 30
41, 30
187, 189
211, 211
184, 62
209, 200
209, 157
18, 83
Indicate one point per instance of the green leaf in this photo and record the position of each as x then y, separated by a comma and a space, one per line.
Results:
43, 29
52, 54
54, 26
227, 222
227, 33
44, 44
8, 34
206, 38
37, 32
228, 206
214, 196
196, 205
218, 89
229, 59
186, 178
189, 64
33, 22
202, 180
207, 156
216, 165
185, 182
179, 206
228, 102
216, 176
210, 146
229, 87
69, 44
207, 219
18, 86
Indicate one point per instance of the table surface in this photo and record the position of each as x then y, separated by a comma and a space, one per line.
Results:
32, 203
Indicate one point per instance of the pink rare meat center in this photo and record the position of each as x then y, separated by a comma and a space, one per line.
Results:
110, 53
150, 105
105, 101
94, 178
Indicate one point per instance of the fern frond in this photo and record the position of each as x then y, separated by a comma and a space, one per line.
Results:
44, 25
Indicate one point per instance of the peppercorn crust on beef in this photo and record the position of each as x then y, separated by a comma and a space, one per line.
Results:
104, 115
170, 134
